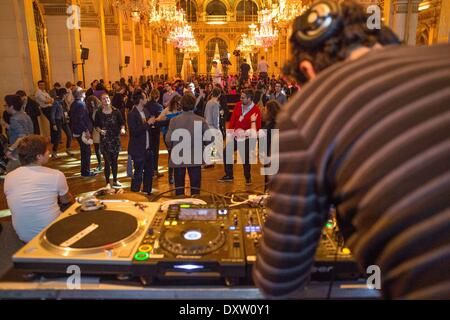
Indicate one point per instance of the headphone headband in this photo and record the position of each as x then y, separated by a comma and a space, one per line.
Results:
319, 23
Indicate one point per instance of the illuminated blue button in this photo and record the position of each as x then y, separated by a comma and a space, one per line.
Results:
192, 235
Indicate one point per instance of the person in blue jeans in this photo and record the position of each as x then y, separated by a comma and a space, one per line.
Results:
80, 123
173, 110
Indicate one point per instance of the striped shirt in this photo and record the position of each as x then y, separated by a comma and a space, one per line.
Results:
371, 137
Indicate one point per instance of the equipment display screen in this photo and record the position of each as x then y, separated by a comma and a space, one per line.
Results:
197, 214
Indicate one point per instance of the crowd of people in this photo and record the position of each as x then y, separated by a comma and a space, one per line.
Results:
144, 113
367, 136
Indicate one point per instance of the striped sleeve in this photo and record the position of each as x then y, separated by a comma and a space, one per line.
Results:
294, 224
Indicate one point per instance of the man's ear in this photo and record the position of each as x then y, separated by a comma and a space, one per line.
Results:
307, 69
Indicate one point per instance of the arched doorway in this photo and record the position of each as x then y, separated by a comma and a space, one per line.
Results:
210, 50
41, 38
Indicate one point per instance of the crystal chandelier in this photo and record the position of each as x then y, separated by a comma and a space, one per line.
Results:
286, 12
249, 43
165, 16
267, 34
183, 38
136, 8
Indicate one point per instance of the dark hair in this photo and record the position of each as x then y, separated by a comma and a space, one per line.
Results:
61, 92
262, 57
100, 86
13, 100
249, 93
137, 96
30, 147
21, 93
154, 94
216, 92
188, 102
173, 105
273, 107
352, 32
79, 83
57, 84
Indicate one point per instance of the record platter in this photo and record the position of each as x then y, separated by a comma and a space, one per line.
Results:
99, 242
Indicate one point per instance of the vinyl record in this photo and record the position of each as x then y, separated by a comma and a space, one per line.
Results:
91, 230
193, 238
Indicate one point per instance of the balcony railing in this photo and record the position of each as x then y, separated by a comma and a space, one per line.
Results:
210, 19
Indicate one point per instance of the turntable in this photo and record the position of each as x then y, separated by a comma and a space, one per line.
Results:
99, 242
192, 242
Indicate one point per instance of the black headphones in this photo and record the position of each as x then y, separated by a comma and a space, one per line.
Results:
319, 23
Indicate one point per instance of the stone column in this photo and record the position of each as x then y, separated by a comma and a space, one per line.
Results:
443, 32
113, 50
121, 49
405, 19
63, 43
133, 50
19, 59
103, 41
172, 61
202, 55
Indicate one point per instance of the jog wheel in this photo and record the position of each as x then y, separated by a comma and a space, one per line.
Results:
192, 238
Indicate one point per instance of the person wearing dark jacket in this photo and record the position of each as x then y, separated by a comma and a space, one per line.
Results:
118, 100
59, 122
139, 148
81, 125
154, 109
31, 108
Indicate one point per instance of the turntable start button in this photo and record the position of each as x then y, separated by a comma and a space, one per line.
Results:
145, 248
141, 256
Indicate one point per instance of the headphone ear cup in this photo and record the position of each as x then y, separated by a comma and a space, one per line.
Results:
318, 24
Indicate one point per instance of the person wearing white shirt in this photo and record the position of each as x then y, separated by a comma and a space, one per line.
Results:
216, 73
44, 100
263, 68
35, 194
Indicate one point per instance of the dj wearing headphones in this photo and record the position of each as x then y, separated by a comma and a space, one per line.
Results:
369, 135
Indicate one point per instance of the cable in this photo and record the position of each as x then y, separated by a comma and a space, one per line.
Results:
158, 195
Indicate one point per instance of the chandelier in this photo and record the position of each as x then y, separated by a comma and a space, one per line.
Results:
285, 12
183, 38
136, 8
267, 34
249, 43
165, 16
